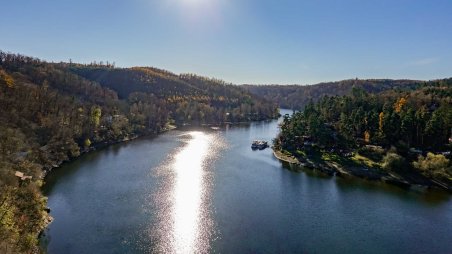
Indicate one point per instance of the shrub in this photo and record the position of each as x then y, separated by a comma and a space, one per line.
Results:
393, 162
433, 165
87, 143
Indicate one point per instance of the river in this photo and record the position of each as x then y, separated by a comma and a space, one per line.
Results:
206, 191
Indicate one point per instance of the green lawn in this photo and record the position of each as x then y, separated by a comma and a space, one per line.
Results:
356, 160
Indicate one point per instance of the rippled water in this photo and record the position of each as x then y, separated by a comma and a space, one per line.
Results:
201, 191
185, 223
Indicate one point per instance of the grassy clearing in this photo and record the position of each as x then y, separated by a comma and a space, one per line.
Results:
365, 161
323, 156
333, 157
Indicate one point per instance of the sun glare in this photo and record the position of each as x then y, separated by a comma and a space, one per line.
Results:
188, 193
195, 3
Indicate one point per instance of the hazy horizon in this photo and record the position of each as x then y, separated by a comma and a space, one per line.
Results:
242, 42
256, 84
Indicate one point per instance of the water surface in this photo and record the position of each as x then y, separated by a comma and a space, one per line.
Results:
200, 191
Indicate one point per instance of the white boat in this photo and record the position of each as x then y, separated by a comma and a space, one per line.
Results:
259, 144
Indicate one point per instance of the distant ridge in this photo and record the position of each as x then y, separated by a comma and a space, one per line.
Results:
298, 96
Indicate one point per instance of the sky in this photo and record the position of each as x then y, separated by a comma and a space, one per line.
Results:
240, 41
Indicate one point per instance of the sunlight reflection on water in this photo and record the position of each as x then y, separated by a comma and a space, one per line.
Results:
186, 224
188, 191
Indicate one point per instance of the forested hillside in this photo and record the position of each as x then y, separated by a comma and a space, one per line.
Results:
53, 112
400, 132
297, 96
189, 98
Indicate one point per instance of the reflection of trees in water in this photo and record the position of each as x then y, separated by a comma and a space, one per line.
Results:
424, 195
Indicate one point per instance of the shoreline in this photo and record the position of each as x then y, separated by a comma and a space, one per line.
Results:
282, 157
48, 219
371, 174
102, 145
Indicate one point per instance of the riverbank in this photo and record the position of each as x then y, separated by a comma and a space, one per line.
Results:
369, 173
285, 157
102, 145
46, 215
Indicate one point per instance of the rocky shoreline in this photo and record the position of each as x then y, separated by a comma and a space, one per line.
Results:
372, 174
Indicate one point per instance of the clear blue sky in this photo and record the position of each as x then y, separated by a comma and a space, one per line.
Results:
241, 41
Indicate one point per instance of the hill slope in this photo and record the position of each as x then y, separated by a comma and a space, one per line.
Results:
186, 94
399, 135
297, 96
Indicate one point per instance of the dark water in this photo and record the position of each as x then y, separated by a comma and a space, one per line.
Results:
198, 191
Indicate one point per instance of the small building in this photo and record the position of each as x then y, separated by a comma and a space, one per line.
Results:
22, 176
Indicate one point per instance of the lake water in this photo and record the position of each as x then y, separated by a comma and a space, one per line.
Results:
206, 191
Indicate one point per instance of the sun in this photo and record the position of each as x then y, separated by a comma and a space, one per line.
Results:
199, 14
194, 2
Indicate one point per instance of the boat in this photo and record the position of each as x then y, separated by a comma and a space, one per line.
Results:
259, 144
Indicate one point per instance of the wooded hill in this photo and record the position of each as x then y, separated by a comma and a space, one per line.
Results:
400, 132
53, 112
298, 96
